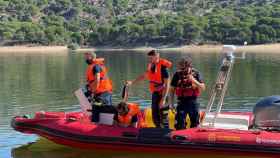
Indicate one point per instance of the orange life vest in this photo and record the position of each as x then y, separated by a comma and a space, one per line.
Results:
105, 84
155, 78
134, 110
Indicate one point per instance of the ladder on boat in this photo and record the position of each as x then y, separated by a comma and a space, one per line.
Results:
220, 87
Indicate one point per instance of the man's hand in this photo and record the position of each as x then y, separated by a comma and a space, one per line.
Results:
190, 78
128, 83
162, 103
196, 83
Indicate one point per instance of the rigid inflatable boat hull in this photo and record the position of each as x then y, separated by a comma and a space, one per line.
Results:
75, 130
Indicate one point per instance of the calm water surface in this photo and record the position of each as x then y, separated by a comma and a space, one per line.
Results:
35, 82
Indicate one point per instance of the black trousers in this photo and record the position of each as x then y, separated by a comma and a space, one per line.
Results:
156, 112
184, 107
105, 98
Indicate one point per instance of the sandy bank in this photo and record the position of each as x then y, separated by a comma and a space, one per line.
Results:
34, 49
265, 48
115, 49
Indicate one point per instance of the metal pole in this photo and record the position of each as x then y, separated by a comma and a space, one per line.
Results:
221, 84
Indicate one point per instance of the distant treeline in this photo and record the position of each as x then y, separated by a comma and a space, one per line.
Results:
135, 22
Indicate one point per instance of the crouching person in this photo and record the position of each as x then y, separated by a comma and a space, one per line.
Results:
129, 115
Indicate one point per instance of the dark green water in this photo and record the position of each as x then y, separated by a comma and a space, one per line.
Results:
35, 82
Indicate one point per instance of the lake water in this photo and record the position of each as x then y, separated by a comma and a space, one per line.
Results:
36, 82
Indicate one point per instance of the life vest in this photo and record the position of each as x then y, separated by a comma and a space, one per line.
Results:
185, 87
155, 78
134, 110
105, 84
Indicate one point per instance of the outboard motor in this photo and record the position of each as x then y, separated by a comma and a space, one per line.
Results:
267, 113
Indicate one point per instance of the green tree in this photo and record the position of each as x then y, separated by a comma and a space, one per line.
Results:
264, 34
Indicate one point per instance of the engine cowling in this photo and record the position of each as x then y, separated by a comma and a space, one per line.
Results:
267, 113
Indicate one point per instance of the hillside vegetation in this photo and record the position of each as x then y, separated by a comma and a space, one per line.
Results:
139, 22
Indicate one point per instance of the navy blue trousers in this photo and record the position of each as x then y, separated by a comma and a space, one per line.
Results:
156, 112
184, 107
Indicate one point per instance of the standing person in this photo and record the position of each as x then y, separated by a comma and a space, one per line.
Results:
158, 76
98, 83
187, 84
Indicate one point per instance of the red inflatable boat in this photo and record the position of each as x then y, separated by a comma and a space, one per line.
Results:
254, 132
75, 129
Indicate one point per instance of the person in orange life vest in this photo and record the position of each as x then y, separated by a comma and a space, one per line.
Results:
187, 84
98, 82
158, 76
128, 115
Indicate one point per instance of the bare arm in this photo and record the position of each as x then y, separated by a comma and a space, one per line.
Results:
138, 79
165, 91
200, 86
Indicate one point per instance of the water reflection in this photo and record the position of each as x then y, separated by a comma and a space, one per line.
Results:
46, 149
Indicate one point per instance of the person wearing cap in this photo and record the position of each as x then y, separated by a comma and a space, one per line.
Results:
158, 76
187, 84
98, 82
